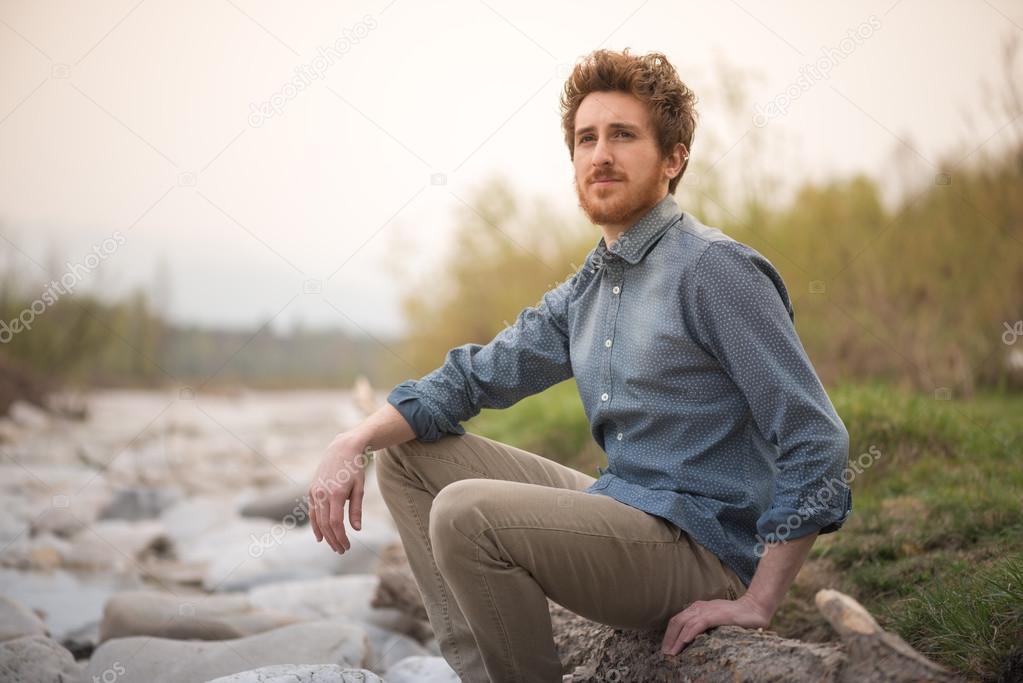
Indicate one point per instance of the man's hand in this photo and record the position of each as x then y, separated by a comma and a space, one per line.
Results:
704, 614
340, 477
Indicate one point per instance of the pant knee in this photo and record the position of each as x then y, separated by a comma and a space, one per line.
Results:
390, 468
454, 514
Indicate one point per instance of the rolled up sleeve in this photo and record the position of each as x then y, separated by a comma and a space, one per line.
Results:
523, 359
742, 315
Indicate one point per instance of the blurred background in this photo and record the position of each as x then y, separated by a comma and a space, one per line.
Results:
218, 218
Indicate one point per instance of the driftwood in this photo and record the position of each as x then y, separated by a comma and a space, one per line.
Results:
596, 652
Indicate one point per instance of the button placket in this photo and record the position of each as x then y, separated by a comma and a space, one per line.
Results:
615, 273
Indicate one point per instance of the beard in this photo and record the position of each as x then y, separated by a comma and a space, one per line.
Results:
621, 203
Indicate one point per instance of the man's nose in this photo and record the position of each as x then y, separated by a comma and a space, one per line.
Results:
601, 154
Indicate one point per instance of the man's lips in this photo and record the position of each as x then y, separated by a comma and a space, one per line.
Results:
604, 181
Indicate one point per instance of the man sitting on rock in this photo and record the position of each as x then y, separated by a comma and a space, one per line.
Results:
725, 455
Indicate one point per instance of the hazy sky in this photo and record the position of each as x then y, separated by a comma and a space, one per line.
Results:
142, 118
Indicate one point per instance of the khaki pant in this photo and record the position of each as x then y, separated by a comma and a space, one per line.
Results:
491, 531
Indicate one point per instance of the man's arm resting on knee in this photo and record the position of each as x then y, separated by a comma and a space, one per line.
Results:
384, 428
341, 474
755, 608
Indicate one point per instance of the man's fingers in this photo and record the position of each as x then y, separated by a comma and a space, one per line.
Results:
323, 516
355, 507
671, 635
337, 521
312, 520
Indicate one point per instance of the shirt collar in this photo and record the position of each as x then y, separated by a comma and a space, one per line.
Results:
633, 244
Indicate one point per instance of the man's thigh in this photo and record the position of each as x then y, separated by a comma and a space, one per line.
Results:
454, 457
598, 557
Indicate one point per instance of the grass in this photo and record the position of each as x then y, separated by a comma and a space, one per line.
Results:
934, 546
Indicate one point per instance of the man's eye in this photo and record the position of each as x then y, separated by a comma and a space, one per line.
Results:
586, 138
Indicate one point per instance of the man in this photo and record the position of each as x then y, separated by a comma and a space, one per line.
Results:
724, 452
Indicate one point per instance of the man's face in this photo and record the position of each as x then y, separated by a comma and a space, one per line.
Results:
614, 139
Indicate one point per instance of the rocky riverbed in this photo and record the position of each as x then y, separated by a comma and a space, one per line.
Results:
165, 538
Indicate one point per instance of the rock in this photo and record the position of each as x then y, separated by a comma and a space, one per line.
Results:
309, 673
202, 617
334, 596
138, 503
280, 504
59, 521
27, 415
46, 552
37, 659
82, 641
421, 670
117, 545
166, 572
191, 518
161, 660
240, 553
387, 648
397, 587
250, 552
17, 621
66, 602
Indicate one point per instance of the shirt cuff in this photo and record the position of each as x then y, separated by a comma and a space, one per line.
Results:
782, 523
416, 411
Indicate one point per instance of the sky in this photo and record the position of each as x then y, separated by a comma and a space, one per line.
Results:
172, 140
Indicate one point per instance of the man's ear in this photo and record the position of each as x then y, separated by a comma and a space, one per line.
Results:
676, 160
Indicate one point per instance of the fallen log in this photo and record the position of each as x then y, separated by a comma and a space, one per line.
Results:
728, 654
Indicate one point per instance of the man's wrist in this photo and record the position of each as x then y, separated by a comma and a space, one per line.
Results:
353, 440
765, 608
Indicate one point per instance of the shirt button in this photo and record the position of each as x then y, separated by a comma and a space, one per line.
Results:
620, 436
616, 289
603, 397
607, 343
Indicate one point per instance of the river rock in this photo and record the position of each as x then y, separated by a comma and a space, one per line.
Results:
280, 504
16, 620
117, 545
162, 660
335, 596
309, 673
421, 670
37, 659
138, 503
202, 617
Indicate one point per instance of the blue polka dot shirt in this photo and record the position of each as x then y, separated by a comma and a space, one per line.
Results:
693, 379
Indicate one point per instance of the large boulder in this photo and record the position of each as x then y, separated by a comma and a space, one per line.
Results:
145, 659
37, 659
202, 617
346, 596
17, 621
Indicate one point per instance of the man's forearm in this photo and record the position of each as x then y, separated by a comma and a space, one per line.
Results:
776, 571
385, 427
